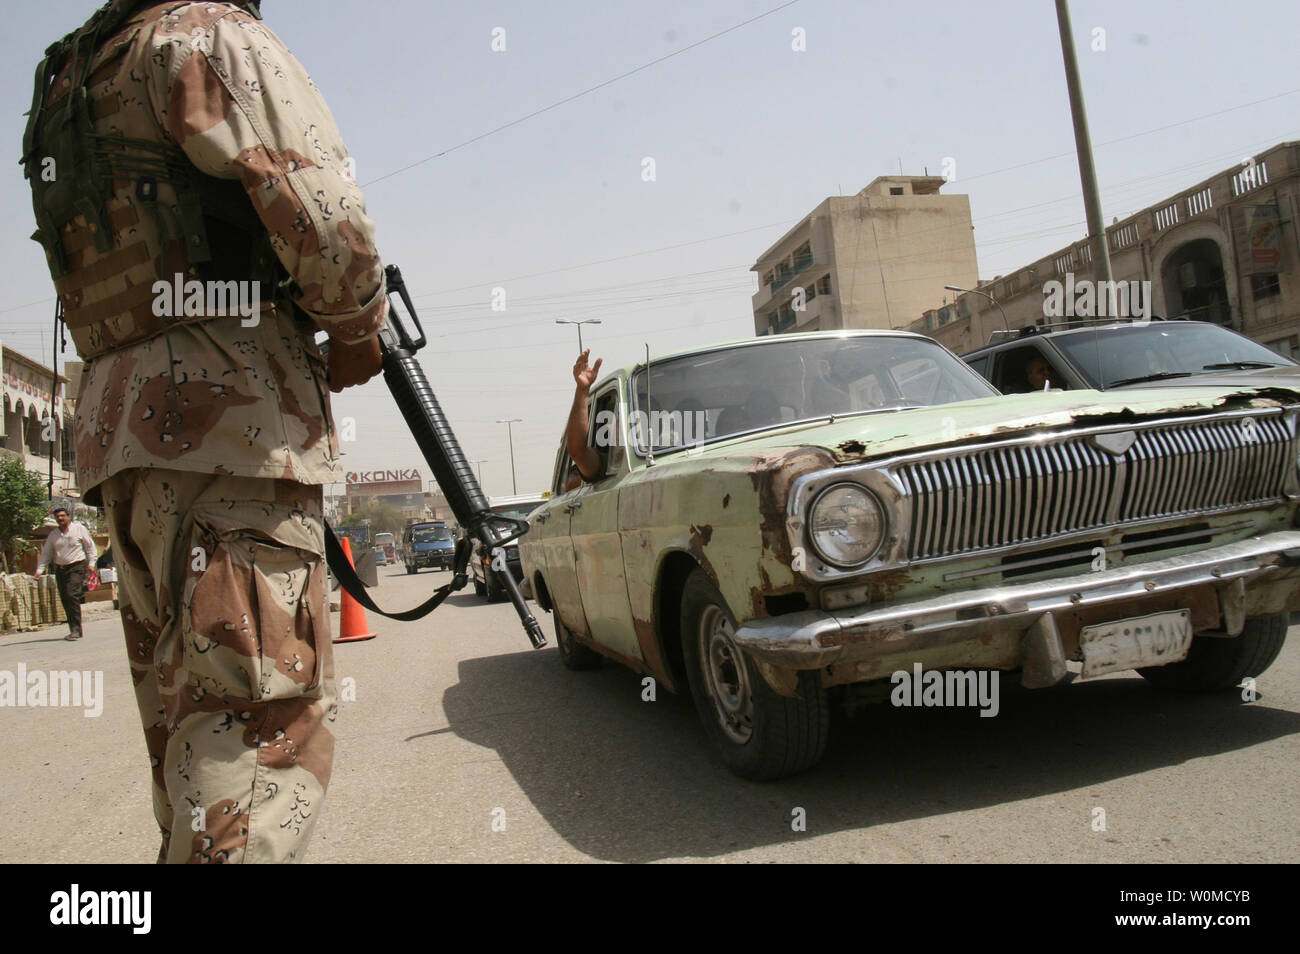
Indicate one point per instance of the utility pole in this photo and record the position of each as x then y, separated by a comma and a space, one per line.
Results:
1083, 145
511, 434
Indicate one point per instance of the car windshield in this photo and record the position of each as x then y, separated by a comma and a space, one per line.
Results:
430, 534
728, 391
1162, 349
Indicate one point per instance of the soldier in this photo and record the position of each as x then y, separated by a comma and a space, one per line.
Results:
197, 208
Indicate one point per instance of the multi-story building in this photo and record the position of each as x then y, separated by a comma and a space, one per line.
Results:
37, 419
872, 260
1225, 250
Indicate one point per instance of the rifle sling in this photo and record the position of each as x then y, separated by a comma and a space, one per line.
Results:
348, 579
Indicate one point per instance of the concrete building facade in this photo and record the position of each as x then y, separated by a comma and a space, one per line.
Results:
37, 418
1224, 250
872, 260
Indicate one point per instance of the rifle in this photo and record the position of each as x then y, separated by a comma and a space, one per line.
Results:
455, 476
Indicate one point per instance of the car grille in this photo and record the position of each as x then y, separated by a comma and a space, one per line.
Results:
1000, 496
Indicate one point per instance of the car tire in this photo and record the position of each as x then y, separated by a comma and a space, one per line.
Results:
1216, 663
573, 654
760, 735
479, 588
494, 594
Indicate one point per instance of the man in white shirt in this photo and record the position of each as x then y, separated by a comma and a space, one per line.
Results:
72, 551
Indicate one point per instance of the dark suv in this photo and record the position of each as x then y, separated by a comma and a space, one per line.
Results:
1130, 354
430, 543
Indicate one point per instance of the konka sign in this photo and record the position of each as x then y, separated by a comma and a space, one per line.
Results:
385, 481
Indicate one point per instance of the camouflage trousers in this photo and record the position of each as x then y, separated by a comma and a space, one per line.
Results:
225, 610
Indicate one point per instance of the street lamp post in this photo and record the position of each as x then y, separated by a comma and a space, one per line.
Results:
585, 321
508, 422
972, 291
479, 465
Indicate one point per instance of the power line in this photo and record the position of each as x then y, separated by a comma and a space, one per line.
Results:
568, 300
1137, 135
579, 95
788, 224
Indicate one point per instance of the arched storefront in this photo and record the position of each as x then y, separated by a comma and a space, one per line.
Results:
1196, 275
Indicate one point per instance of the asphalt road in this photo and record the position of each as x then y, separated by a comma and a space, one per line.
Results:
464, 745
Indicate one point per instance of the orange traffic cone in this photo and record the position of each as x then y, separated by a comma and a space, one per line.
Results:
352, 618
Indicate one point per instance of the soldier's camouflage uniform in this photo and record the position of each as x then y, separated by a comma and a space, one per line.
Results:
209, 440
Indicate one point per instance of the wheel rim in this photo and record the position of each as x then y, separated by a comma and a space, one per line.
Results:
726, 677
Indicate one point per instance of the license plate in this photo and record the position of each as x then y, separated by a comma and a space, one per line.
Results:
1154, 640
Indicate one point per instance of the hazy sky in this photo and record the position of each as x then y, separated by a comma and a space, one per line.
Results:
747, 135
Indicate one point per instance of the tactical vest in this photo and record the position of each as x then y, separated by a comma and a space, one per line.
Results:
118, 204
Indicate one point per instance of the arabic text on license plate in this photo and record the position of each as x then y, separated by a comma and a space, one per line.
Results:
1154, 640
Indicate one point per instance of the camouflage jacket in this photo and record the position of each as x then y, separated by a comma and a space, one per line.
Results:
243, 396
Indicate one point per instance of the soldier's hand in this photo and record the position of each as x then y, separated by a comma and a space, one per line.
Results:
586, 376
353, 363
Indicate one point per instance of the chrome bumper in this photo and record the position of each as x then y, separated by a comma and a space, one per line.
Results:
815, 638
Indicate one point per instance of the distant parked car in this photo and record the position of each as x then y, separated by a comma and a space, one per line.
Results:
429, 543
860, 503
1131, 354
480, 562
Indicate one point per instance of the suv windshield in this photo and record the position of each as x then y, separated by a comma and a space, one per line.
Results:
744, 388
430, 534
521, 512
1162, 349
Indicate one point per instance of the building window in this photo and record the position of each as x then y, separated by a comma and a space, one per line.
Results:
895, 190
1264, 286
824, 285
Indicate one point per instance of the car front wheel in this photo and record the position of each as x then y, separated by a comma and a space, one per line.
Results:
1217, 663
760, 734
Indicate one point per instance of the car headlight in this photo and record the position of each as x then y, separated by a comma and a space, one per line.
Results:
846, 524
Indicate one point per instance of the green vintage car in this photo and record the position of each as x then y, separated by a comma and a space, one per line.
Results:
784, 521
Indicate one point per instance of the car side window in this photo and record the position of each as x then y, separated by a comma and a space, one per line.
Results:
566, 473
604, 433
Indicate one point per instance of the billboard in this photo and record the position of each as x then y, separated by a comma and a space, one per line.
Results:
407, 481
